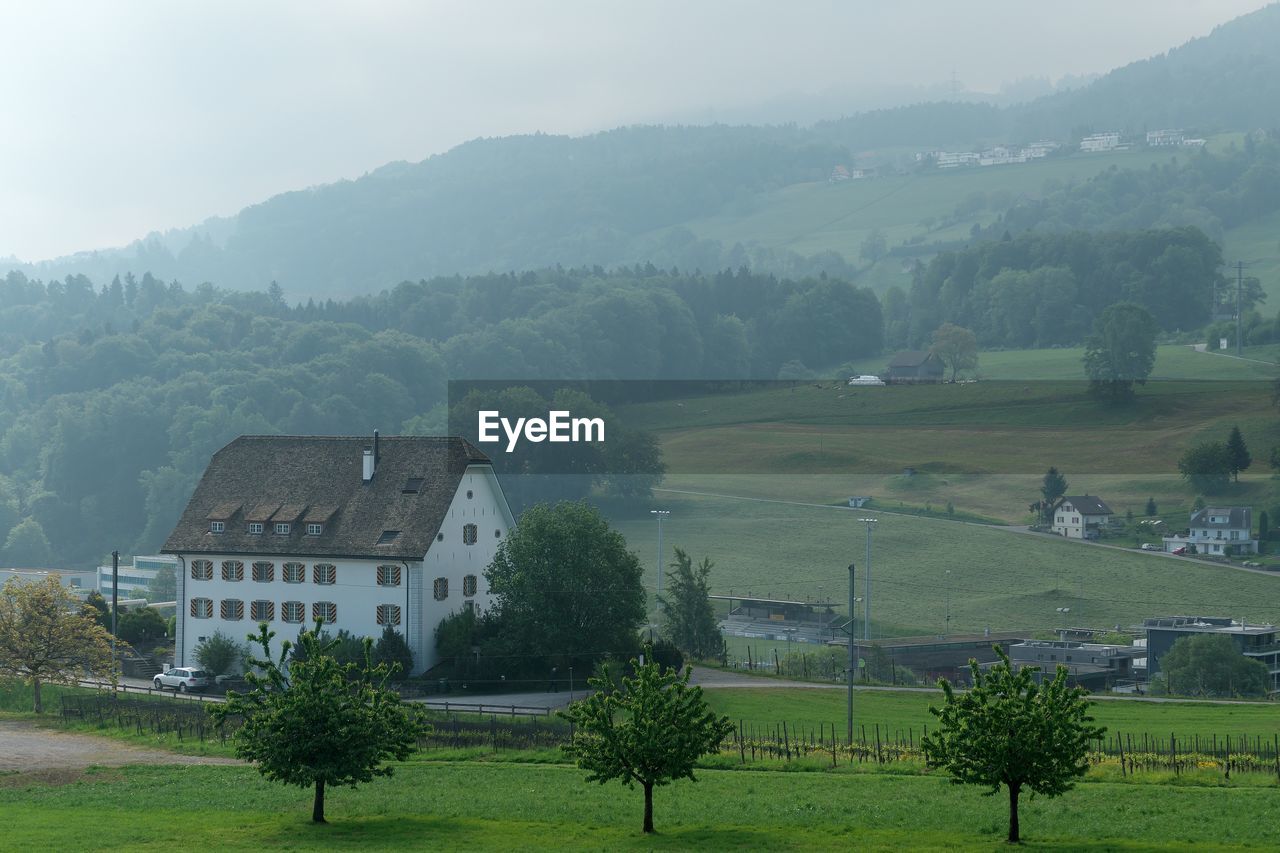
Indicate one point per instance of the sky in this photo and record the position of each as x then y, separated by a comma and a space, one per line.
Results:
119, 119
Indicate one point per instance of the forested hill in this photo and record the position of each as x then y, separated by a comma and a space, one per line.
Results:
614, 198
113, 398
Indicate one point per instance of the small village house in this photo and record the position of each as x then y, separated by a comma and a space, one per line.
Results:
915, 366
1080, 517
1220, 530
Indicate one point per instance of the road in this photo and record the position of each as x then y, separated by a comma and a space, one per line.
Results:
27, 746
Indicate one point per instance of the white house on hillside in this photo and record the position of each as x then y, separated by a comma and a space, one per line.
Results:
364, 534
1218, 530
1080, 517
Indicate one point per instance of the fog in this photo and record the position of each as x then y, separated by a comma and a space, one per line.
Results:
132, 117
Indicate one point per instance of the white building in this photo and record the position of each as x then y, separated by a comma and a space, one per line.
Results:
1080, 517
135, 579
1100, 142
955, 159
1163, 138
1218, 530
81, 582
364, 534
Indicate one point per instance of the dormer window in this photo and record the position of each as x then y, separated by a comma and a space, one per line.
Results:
282, 528
315, 529
388, 537
255, 527
217, 526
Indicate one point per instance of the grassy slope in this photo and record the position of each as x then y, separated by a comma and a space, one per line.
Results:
982, 447
816, 217
808, 708
479, 806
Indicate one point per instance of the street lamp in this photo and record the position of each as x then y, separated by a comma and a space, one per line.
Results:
946, 630
866, 583
660, 514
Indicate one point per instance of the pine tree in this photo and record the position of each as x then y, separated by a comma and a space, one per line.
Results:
1239, 453
689, 621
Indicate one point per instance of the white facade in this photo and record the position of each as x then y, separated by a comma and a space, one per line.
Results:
427, 591
1073, 523
1217, 535
1100, 142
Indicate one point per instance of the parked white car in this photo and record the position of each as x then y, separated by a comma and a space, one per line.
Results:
866, 379
182, 679
1150, 546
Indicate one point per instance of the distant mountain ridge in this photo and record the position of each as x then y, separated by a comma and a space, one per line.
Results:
607, 199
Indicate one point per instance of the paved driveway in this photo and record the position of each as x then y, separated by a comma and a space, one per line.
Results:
27, 746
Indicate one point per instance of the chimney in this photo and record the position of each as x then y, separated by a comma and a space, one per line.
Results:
368, 464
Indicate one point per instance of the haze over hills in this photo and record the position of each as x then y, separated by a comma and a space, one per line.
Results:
607, 199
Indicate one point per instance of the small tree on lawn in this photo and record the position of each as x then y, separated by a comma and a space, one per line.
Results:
689, 620
1053, 487
649, 731
1007, 730
47, 636
392, 650
220, 654
316, 722
1151, 509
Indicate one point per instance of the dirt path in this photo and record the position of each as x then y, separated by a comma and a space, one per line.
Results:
26, 746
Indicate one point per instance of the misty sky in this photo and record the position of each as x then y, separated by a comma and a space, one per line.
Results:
119, 119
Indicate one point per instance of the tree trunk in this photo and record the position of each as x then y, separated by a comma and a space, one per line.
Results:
1014, 837
35, 689
648, 807
317, 809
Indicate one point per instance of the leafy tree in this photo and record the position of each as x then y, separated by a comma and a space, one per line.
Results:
164, 586
648, 731
1009, 731
565, 586
1238, 453
874, 247
1207, 467
1151, 508
140, 626
392, 650
220, 654
1052, 488
27, 545
1211, 665
1274, 458
46, 636
316, 722
1121, 351
956, 346
96, 606
688, 619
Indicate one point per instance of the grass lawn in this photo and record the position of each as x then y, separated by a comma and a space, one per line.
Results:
1002, 580
807, 708
476, 805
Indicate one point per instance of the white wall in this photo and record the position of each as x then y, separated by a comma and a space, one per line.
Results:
356, 592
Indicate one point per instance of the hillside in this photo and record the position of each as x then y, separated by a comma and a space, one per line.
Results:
613, 198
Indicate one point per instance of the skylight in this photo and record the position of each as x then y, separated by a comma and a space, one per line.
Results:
413, 486
388, 536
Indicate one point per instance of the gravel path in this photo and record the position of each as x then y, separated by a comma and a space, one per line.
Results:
26, 746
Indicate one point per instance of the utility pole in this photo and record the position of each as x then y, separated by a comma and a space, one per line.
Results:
1239, 287
866, 595
852, 661
115, 589
661, 514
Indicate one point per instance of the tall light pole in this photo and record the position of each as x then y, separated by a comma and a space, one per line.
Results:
850, 670
866, 581
946, 630
660, 514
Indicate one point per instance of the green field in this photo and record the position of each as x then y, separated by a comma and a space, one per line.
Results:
474, 805
807, 708
816, 217
1001, 580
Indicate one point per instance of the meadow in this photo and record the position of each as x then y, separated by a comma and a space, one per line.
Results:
479, 805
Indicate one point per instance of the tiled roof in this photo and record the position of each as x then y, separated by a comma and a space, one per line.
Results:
1238, 517
1087, 504
319, 478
